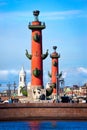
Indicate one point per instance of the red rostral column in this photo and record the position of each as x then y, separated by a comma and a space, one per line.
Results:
55, 70
36, 48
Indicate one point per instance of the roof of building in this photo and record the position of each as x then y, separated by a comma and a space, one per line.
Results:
22, 71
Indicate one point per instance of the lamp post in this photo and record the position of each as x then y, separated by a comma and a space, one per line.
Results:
86, 92
9, 90
57, 86
14, 85
62, 84
58, 81
0, 84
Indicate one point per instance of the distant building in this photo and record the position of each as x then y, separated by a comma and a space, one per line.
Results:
22, 81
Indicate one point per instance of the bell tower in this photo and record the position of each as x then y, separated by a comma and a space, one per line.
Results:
22, 80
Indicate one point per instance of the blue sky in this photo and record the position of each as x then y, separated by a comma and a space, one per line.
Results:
66, 27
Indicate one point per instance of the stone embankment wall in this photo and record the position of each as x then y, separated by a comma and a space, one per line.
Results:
43, 111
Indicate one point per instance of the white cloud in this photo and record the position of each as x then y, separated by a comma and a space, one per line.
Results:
45, 15
67, 12
6, 72
75, 76
62, 14
28, 71
3, 74
13, 71
16, 14
64, 74
82, 70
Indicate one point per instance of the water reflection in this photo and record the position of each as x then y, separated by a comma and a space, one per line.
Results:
34, 125
43, 125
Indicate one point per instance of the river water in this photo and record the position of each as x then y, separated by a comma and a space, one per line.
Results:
43, 125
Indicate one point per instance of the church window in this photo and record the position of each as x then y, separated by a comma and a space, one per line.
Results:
20, 79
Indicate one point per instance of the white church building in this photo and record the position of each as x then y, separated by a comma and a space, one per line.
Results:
22, 80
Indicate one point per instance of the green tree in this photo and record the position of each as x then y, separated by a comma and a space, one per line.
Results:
23, 91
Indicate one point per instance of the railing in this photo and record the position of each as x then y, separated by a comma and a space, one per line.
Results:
42, 24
